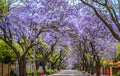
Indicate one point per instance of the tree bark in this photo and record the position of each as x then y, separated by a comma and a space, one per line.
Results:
44, 68
22, 67
37, 64
98, 66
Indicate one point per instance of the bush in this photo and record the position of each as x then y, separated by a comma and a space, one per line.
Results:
55, 70
50, 71
83, 72
116, 73
35, 73
12, 73
30, 72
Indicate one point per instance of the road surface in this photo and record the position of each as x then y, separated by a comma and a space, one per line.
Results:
69, 73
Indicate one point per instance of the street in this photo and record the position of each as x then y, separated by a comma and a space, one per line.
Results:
69, 73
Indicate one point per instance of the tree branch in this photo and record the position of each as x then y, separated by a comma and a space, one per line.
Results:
109, 26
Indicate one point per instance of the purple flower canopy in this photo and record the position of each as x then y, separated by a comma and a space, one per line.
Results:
53, 18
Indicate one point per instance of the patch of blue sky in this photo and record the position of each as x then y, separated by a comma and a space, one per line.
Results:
73, 2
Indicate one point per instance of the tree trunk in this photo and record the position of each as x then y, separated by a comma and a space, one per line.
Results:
92, 67
2, 67
43, 66
37, 64
98, 66
86, 66
22, 67
52, 65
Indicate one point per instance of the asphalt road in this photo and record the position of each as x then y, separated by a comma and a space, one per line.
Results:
69, 73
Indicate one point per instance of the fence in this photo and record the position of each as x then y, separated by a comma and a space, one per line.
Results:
5, 69
109, 71
106, 71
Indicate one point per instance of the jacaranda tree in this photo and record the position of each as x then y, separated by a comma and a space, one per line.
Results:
108, 12
21, 29
92, 41
24, 25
